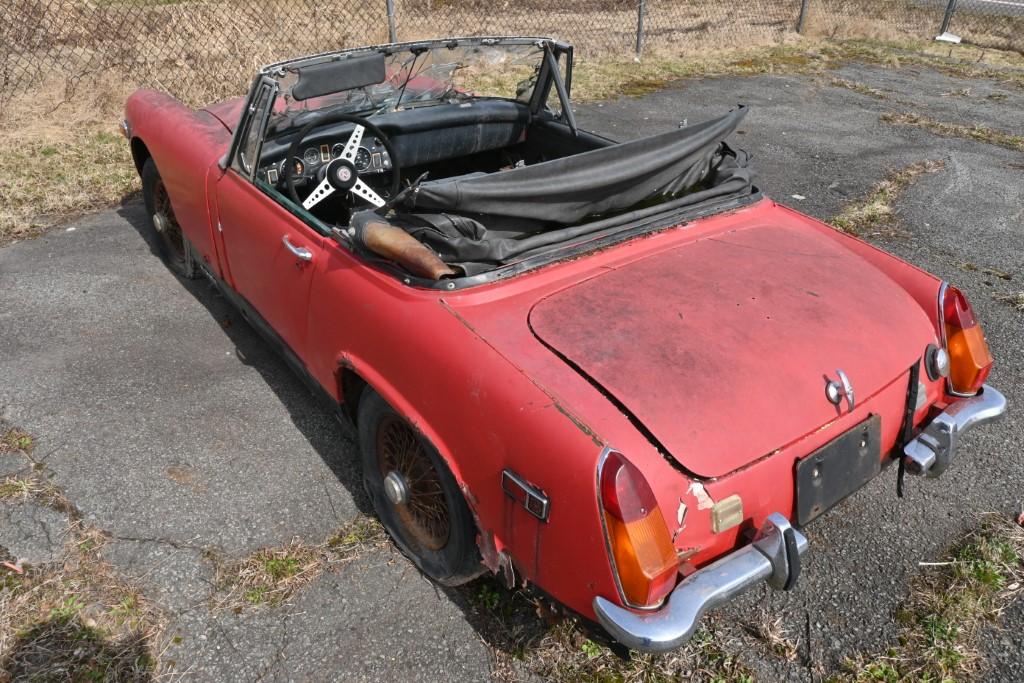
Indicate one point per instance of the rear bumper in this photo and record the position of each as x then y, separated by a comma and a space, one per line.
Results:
933, 450
773, 557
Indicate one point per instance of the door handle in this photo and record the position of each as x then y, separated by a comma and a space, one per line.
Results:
298, 252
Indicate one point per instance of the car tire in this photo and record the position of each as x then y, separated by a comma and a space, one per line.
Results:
433, 527
173, 246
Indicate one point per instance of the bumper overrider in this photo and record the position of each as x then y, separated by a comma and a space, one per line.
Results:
774, 555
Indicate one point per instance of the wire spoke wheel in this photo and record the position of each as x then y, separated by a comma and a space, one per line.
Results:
421, 507
165, 222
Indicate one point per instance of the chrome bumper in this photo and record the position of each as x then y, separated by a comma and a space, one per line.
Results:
932, 451
774, 557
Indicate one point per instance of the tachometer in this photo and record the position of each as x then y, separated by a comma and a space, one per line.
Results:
298, 168
362, 161
311, 156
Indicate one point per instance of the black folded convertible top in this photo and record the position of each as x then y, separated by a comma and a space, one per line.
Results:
482, 220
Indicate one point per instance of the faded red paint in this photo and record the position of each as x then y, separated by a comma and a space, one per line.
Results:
467, 370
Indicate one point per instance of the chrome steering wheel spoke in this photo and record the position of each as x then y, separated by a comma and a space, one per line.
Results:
320, 193
364, 192
352, 145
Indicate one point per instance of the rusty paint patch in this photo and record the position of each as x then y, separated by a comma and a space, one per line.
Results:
485, 539
704, 501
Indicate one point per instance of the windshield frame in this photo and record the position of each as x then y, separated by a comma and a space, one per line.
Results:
272, 72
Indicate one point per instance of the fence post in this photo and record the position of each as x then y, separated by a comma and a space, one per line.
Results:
639, 28
803, 16
950, 8
392, 36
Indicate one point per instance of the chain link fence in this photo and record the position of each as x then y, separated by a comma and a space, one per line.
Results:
203, 50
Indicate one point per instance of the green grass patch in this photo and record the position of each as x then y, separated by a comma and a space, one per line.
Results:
875, 214
956, 130
950, 603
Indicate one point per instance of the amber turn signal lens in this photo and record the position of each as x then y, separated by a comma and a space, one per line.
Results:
969, 358
640, 542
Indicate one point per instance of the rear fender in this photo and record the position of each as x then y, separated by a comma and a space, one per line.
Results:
921, 285
376, 381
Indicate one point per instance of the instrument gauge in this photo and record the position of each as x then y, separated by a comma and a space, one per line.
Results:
362, 161
337, 150
298, 168
311, 156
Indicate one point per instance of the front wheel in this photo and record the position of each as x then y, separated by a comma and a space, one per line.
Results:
415, 495
174, 247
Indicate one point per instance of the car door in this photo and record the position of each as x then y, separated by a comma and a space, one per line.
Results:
270, 253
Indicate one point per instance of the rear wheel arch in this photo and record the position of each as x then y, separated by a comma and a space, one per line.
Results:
140, 154
355, 378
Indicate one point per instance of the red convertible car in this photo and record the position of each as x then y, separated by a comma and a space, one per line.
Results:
615, 372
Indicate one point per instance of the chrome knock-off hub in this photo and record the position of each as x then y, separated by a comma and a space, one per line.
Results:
396, 489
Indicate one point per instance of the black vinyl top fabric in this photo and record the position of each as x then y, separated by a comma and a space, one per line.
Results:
482, 220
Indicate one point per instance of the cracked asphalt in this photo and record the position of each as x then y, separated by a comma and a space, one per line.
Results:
172, 426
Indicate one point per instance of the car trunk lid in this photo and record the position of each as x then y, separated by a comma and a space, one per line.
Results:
720, 348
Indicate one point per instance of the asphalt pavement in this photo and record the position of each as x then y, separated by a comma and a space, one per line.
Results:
171, 425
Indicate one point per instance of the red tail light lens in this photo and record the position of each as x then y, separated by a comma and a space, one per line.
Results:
639, 540
969, 358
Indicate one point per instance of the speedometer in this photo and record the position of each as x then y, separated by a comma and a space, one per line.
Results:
362, 161
311, 156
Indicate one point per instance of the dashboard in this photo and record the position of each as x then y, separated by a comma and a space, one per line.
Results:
371, 158
418, 136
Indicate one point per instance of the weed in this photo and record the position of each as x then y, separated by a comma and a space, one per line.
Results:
15, 439
956, 130
875, 214
270, 576
281, 568
948, 604
489, 597
858, 88
37, 489
76, 619
1015, 300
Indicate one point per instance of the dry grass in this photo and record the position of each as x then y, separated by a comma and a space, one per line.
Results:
949, 604
530, 638
15, 440
956, 130
972, 267
37, 488
1015, 300
62, 158
875, 215
772, 632
75, 619
270, 576
859, 88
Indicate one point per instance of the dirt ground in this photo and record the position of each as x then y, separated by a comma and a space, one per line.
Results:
170, 426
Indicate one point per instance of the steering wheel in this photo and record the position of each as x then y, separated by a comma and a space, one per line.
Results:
340, 175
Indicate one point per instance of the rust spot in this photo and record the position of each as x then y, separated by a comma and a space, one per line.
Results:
184, 475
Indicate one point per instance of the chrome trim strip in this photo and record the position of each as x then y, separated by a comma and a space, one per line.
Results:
933, 450
945, 344
766, 559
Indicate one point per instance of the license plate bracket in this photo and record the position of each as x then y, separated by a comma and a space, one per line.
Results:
837, 469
